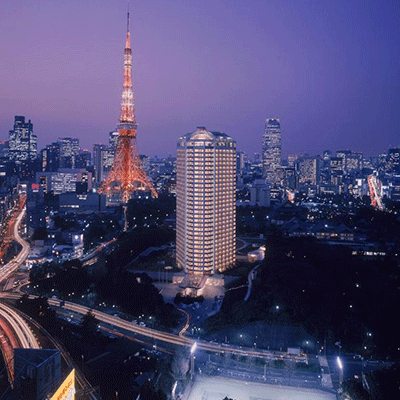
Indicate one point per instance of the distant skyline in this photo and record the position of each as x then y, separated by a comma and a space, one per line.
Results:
330, 71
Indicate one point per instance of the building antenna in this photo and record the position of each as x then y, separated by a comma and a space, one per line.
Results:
127, 22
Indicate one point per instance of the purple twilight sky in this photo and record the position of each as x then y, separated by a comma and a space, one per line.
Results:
330, 70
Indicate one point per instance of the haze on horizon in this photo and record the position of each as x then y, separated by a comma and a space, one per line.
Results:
329, 70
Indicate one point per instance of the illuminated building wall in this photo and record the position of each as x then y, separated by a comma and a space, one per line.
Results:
69, 152
113, 139
35, 209
309, 170
354, 162
51, 157
394, 187
272, 150
393, 160
107, 160
350, 161
103, 158
206, 202
82, 202
65, 181
97, 158
22, 142
83, 159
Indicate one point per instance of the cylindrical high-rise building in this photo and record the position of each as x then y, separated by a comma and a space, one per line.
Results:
206, 202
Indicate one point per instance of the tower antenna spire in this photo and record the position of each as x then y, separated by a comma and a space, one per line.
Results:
127, 22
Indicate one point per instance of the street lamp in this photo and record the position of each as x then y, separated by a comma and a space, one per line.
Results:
308, 346
241, 340
340, 365
339, 345
174, 390
192, 350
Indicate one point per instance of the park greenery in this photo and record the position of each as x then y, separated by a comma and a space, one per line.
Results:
183, 299
115, 285
150, 212
332, 293
383, 384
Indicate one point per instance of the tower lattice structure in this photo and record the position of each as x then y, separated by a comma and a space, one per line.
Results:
127, 174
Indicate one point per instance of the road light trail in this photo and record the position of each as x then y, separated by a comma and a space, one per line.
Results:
173, 338
24, 334
186, 325
6, 345
80, 378
20, 258
14, 333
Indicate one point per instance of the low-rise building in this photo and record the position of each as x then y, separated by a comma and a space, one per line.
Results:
81, 203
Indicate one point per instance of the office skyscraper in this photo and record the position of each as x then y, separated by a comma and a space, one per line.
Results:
240, 162
272, 150
22, 142
113, 140
309, 169
393, 160
206, 202
98, 150
69, 152
103, 158
51, 157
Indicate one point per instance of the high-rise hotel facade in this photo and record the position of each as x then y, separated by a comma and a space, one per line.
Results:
206, 202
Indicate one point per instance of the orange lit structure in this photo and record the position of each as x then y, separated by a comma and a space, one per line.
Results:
67, 390
374, 192
127, 174
290, 195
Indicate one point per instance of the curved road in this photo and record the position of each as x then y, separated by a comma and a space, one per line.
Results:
19, 259
23, 332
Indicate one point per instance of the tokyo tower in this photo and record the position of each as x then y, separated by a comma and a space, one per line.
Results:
127, 174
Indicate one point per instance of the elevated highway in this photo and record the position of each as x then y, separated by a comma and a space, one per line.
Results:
166, 337
23, 333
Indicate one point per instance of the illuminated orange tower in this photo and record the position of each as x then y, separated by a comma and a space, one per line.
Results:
127, 174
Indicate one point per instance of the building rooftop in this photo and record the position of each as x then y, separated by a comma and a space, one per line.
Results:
201, 133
